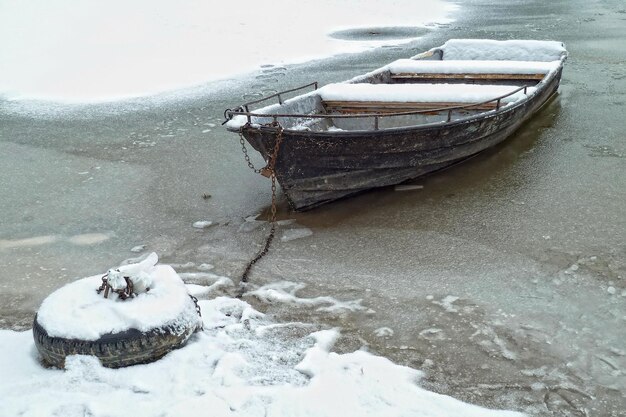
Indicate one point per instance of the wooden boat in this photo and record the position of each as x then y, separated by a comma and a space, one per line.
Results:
406, 119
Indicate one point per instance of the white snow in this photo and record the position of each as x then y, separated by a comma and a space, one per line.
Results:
432, 334
202, 224
229, 369
471, 67
293, 234
138, 248
420, 93
205, 267
76, 311
511, 50
205, 290
447, 303
383, 332
91, 50
286, 292
87, 239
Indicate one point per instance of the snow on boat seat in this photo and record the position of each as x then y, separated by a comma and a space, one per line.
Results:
344, 97
410, 69
512, 50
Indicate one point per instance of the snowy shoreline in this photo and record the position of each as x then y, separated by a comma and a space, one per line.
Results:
86, 58
241, 364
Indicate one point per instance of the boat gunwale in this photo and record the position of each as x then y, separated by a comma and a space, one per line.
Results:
348, 133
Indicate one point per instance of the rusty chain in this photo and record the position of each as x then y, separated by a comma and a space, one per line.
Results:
245, 152
123, 293
267, 171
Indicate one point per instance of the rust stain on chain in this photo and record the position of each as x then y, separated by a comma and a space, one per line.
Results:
267, 171
123, 293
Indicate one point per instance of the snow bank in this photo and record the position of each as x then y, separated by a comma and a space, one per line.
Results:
471, 67
512, 50
420, 93
91, 50
229, 369
76, 311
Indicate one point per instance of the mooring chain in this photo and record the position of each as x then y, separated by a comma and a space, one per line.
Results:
123, 293
245, 152
270, 172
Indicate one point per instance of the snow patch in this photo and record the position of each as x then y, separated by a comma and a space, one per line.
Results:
447, 303
293, 234
383, 332
138, 248
89, 239
205, 267
231, 368
94, 51
204, 290
202, 224
432, 334
27, 242
285, 292
85, 239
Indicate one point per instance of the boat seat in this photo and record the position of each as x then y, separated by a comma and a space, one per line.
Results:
386, 98
395, 107
511, 50
404, 70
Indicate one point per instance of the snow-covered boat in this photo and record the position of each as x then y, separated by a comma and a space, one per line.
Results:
401, 121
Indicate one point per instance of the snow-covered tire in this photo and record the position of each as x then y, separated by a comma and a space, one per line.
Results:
115, 350
77, 320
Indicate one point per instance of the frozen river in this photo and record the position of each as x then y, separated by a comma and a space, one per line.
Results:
92, 51
502, 278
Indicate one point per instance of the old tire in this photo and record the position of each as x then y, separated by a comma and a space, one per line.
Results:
77, 320
115, 350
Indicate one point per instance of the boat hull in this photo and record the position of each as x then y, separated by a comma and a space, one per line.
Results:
315, 168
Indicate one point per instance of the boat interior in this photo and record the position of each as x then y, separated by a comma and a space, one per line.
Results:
441, 85
460, 85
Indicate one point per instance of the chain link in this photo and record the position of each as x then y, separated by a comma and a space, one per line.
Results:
245, 152
123, 294
268, 169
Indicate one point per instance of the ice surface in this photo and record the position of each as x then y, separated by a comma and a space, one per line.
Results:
76, 311
240, 365
450, 93
103, 51
86, 239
